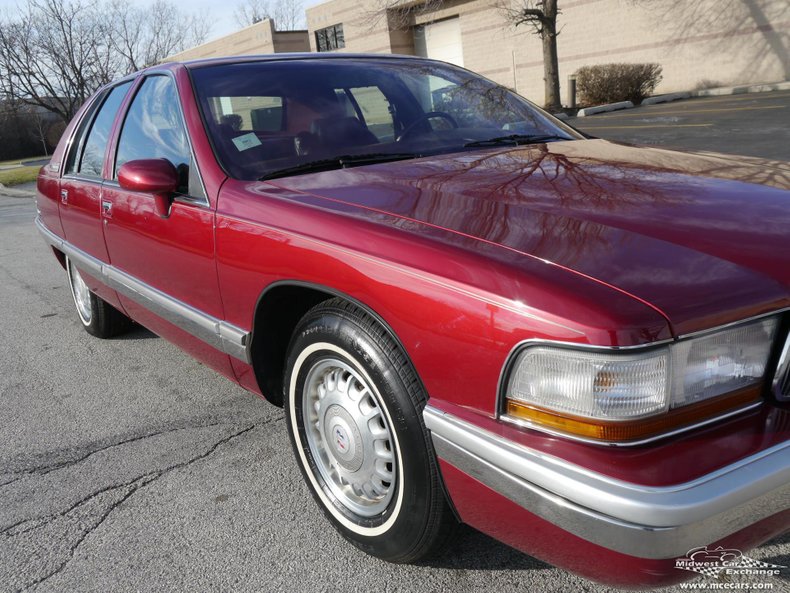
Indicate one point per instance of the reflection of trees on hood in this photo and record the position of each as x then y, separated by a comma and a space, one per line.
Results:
501, 211
748, 169
558, 197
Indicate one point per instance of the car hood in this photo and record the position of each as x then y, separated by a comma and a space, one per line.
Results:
704, 238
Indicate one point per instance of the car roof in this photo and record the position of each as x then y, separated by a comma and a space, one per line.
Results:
203, 62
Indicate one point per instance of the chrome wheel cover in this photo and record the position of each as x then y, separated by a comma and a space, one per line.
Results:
349, 438
80, 292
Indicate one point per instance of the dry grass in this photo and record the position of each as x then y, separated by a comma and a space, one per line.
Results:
18, 175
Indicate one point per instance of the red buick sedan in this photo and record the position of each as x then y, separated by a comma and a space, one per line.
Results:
469, 311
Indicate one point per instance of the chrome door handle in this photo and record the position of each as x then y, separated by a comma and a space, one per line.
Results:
106, 208
64, 196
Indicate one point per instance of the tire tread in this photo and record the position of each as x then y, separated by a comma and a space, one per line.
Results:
107, 321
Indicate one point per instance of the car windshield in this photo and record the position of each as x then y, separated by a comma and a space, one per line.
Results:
279, 118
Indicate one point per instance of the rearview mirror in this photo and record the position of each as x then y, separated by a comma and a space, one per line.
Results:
152, 176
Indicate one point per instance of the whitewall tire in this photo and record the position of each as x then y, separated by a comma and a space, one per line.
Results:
353, 405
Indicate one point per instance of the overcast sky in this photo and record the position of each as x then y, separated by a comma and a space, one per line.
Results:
220, 13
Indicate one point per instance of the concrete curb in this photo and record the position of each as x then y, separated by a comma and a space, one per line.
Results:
10, 192
726, 90
604, 108
739, 90
666, 98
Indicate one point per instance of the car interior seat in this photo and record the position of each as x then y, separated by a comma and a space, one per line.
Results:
342, 132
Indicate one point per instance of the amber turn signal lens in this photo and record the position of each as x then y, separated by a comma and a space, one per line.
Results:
633, 430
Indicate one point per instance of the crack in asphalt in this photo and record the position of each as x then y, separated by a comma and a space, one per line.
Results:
10, 530
102, 517
135, 485
38, 522
45, 469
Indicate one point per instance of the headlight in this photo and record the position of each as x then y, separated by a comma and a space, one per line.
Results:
621, 395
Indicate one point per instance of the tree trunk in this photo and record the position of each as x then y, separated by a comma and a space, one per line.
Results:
551, 70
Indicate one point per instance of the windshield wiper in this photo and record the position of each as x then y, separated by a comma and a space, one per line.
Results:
515, 140
340, 162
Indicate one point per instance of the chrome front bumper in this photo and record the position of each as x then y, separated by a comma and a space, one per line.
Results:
654, 522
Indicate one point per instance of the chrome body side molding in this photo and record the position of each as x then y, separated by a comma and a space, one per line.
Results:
215, 332
654, 522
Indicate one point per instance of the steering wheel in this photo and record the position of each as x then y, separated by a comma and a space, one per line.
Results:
425, 117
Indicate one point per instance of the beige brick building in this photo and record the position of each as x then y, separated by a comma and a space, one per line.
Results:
260, 38
698, 42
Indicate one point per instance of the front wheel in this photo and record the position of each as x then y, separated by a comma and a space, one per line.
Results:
98, 317
354, 405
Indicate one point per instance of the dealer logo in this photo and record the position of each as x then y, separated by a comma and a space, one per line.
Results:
713, 562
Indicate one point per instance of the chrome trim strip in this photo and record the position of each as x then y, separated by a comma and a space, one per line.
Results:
572, 437
783, 373
82, 178
234, 341
643, 521
590, 526
220, 334
703, 332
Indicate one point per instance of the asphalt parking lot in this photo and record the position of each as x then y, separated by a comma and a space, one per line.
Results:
756, 124
128, 466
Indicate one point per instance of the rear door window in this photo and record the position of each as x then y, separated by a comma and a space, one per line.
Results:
87, 158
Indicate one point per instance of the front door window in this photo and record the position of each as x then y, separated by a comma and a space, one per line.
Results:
154, 128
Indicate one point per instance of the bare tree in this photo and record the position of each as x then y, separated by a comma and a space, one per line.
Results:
146, 36
41, 128
399, 14
250, 12
55, 53
289, 15
18, 138
541, 16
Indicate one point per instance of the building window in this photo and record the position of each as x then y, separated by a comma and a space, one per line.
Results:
330, 38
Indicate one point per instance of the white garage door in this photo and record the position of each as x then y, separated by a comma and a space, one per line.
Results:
440, 41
